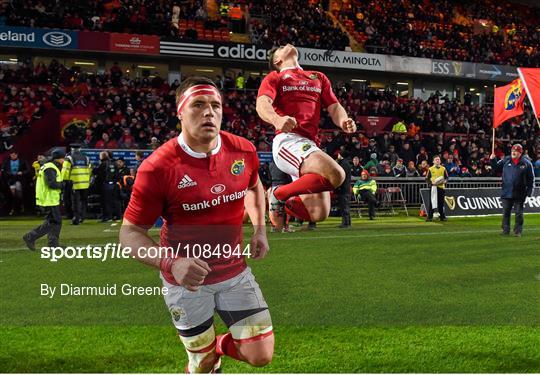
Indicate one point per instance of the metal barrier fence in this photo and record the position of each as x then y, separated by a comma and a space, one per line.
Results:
410, 187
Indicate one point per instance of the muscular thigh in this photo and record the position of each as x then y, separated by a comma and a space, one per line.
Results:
242, 307
318, 205
320, 163
240, 293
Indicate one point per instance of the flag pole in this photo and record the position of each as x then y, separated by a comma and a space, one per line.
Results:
493, 133
493, 142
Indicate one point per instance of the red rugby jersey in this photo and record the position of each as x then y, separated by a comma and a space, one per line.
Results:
200, 197
300, 94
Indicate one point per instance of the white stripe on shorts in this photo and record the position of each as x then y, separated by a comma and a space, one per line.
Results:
287, 156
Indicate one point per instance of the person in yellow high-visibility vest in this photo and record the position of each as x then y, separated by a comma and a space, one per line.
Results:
48, 189
365, 189
77, 169
240, 82
436, 179
224, 9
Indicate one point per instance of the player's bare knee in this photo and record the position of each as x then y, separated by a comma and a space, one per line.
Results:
336, 177
318, 216
259, 358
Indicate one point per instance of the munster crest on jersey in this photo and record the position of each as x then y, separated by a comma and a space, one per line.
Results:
313, 76
237, 168
177, 313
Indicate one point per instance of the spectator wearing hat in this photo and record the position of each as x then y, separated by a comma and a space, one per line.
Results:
76, 174
373, 162
385, 169
365, 189
465, 172
517, 185
48, 189
154, 143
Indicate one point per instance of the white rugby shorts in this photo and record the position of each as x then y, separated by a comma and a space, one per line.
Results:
190, 309
289, 151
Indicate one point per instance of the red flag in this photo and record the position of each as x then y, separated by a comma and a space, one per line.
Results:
508, 102
531, 80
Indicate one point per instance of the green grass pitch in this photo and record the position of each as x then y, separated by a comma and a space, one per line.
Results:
393, 295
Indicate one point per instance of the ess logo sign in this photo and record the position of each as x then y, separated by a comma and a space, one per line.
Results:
56, 39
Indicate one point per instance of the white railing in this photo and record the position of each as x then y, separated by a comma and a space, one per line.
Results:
411, 186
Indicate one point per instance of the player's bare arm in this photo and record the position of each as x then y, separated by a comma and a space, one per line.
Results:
188, 272
340, 118
255, 206
266, 112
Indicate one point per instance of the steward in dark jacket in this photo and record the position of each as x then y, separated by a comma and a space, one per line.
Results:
517, 185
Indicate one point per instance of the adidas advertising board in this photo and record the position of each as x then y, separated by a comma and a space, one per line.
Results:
249, 52
479, 202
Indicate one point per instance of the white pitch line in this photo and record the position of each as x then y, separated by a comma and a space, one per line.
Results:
313, 237
117, 230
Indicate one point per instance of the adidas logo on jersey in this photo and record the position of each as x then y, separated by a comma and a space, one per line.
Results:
186, 182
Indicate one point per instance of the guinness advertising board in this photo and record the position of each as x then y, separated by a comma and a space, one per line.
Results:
478, 202
453, 68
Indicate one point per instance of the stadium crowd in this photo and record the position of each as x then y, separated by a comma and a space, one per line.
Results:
140, 113
300, 23
486, 31
138, 17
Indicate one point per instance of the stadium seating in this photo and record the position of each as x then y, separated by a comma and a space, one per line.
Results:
136, 17
301, 23
152, 114
484, 31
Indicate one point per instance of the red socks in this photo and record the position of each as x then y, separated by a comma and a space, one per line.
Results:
225, 346
309, 183
295, 207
